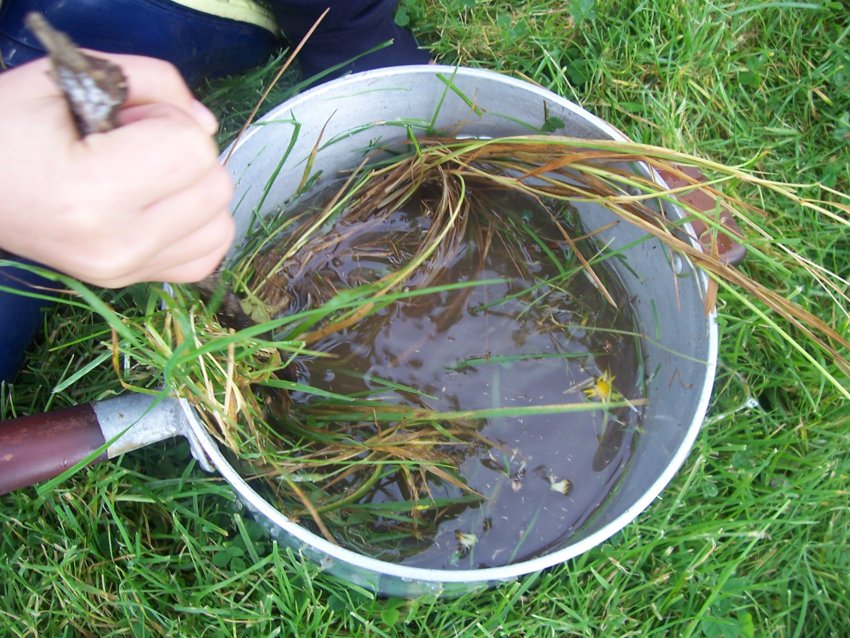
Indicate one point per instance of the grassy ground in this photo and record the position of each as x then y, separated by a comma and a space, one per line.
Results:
752, 538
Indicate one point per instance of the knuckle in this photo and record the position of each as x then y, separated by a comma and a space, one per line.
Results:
221, 190
192, 272
228, 234
195, 145
118, 260
168, 77
106, 268
168, 73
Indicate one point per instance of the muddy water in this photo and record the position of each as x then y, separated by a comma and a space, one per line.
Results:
537, 332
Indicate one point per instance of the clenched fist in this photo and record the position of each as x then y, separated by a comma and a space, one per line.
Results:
144, 202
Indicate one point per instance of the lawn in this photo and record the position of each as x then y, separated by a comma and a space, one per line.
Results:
752, 537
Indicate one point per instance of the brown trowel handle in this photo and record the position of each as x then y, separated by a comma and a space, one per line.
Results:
36, 448
726, 243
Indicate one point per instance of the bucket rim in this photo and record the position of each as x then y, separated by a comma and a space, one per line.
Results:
489, 574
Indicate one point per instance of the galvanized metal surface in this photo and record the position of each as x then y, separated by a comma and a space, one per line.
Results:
132, 421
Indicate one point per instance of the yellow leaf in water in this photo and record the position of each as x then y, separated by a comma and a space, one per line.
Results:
602, 388
465, 541
564, 486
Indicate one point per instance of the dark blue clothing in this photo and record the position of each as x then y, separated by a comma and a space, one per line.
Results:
350, 28
20, 316
203, 45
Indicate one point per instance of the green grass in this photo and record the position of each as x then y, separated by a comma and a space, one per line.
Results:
752, 538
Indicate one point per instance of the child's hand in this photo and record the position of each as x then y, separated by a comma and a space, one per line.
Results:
145, 202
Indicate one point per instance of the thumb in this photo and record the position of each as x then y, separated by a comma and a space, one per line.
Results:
202, 116
153, 81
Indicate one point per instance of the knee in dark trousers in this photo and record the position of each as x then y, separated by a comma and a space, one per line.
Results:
351, 28
20, 316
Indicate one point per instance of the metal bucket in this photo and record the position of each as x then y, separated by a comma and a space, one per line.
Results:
331, 126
